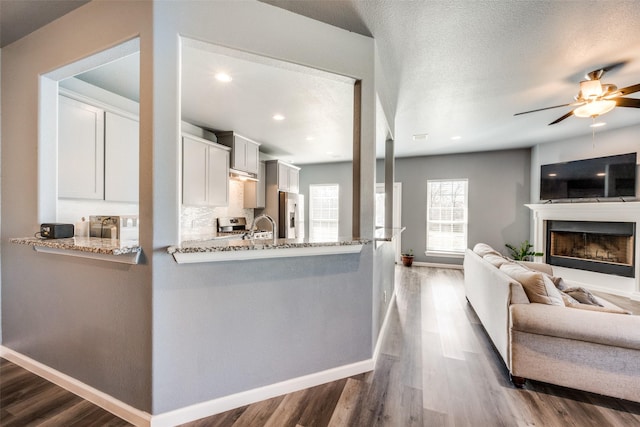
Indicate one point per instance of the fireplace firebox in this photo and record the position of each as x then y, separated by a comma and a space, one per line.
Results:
604, 247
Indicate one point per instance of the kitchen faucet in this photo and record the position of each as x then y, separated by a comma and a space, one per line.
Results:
273, 227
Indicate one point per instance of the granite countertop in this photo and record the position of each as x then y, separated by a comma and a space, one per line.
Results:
94, 245
229, 245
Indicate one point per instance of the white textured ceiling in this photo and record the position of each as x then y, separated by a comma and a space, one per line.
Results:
465, 67
317, 106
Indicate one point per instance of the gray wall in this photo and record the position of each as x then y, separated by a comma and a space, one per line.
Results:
229, 327
498, 189
330, 173
221, 328
88, 319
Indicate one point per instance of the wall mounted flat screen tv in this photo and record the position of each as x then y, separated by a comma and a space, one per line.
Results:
602, 177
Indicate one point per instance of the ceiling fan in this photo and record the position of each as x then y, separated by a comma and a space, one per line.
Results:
596, 98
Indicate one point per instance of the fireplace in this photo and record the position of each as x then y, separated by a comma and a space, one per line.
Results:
604, 247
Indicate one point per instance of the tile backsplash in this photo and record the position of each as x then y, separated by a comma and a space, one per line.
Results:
199, 222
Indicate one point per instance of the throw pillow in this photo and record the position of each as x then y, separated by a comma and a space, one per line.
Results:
495, 260
559, 283
538, 287
568, 299
483, 249
582, 295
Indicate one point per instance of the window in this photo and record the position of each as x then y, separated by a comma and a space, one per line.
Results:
323, 212
447, 216
380, 199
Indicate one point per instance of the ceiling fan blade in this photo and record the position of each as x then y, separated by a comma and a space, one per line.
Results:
628, 102
542, 109
569, 114
629, 89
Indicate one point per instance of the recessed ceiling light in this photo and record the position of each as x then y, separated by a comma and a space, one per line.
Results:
456, 137
223, 77
553, 174
597, 125
601, 174
420, 136
278, 117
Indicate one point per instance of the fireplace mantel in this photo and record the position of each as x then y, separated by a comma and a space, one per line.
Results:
603, 211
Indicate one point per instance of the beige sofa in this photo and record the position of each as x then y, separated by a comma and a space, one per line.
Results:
587, 350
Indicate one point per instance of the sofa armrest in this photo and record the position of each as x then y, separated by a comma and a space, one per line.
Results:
538, 266
619, 330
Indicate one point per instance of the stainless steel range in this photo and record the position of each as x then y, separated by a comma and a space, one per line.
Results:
238, 225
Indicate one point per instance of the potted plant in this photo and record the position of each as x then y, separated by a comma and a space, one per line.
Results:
407, 258
524, 252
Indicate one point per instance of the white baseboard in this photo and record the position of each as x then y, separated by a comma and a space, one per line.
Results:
223, 404
95, 396
437, 265
188, 413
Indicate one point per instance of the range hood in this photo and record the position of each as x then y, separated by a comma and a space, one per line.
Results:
242, 175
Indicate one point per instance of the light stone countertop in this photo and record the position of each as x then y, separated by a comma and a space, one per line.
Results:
230, 245
93, 245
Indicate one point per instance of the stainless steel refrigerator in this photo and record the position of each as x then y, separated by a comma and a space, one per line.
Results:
290, 216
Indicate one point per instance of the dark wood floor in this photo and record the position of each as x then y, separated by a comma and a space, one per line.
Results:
436, 368
28, 400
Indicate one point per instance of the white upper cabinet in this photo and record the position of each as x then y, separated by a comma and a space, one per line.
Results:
245, 152
254, 191
121, 158
287, 176
80, 150
98, 153
205, 173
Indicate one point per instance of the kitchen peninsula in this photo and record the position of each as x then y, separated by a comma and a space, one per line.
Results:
239, 249
123, 251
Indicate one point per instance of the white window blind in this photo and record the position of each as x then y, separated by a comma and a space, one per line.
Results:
447, 215
323, 212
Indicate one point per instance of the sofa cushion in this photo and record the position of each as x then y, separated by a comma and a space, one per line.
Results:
483, 249
616, 310
538, 287
495, 260
582, 295
582, 325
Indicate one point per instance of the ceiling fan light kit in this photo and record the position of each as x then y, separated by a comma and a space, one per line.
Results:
596, 98
594, 108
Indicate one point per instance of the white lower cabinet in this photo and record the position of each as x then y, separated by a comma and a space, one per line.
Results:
205, 173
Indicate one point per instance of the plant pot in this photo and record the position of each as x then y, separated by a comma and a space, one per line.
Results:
407, 260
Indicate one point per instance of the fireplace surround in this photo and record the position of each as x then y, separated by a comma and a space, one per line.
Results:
604, 247
590, 212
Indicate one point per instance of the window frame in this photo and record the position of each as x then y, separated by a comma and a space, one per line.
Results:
465, 222
335, 221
